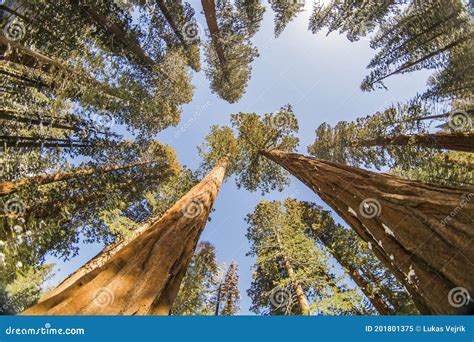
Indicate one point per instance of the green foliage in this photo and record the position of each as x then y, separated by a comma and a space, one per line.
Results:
253, 135
285, 11
52, 217
355, 143
251, 13
354, 253
199, 284
455, 81
108, 71
355, 18
422, 36
287, 258
229, 52
174, 22
25, 290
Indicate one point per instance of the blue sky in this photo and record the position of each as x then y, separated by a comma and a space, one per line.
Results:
318, 75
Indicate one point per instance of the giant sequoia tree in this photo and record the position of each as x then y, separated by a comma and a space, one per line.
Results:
109, 74
383, 210
374, 280
441, 214
166, 249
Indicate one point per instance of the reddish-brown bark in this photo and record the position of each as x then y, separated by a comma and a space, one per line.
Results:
143, 277
422, 232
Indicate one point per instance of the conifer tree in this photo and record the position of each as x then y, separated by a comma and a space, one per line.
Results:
227, 293
229, 51
375, 281
198, 283
401, 138
285, 12
421, 37
406, 203
354, 18
292, 275
178, 18
176, 232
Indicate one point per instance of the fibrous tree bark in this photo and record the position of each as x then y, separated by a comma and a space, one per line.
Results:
143, 277
422, 232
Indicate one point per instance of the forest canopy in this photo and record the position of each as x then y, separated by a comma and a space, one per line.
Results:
381, 218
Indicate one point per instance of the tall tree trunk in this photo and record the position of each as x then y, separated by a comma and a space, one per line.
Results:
455, 141
300, 294
144, 276
209, 7
377, 301
422, 232
169, 18
10, 187
20, 141
98, 261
